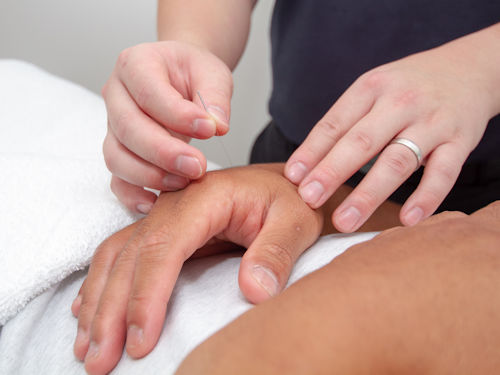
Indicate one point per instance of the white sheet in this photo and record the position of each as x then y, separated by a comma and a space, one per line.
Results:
39, 339
57, 207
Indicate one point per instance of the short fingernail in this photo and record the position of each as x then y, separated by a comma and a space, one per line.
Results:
414, 216
144, 208
173, 182
135, 336
93, 351
348, 219
188, 165
266, 279
220, 116
203, 127
312, 192
297, 172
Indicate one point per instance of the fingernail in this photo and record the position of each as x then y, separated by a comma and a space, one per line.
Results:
266, 279
312, 192
348, 219
144, 208
414, 216
173, 182
188, 165
203, 127
135, 336
93, 351
220, 116
297, 172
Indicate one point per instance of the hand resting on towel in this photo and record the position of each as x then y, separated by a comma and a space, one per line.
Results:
125, 295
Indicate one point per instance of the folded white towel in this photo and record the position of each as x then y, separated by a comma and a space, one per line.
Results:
56, 203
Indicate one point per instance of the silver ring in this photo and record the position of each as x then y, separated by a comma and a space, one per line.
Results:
412, 146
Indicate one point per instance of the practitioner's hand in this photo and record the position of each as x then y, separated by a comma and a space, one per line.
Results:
132, 274
423, 299
440, 99
153, 110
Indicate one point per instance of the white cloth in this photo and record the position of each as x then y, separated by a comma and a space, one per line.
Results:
56, 203
39, 340
57, 208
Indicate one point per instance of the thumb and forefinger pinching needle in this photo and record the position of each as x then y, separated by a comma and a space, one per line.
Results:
228, 159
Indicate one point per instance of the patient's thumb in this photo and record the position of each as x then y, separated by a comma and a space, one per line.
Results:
265, 267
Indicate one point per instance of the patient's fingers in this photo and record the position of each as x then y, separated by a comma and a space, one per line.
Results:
190, 224
107, 333
91, 290
288, 230
75, 306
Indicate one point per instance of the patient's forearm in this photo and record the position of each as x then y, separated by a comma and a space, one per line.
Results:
221, 26
413, 300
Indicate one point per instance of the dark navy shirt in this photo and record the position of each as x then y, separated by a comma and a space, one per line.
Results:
320, 47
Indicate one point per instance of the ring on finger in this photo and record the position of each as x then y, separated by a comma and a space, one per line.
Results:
412, 146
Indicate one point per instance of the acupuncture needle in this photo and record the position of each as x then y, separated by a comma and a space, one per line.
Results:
220, 140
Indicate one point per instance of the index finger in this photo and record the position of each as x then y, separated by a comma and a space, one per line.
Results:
148, 82
353, 105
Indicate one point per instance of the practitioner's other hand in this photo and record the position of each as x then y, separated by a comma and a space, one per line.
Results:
414, 300
153, 111
125, 295
441, 100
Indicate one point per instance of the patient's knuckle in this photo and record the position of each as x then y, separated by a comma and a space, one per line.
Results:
153, 247
281, 256
138, 299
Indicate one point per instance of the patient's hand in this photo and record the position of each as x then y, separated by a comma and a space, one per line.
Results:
132, 274
418, 300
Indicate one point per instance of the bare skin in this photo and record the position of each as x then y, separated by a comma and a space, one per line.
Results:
417, 300
125, 296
